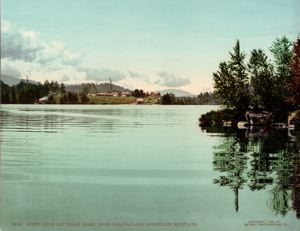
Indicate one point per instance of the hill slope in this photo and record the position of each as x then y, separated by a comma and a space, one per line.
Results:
176, 92
93, 88
88, 87
10, 80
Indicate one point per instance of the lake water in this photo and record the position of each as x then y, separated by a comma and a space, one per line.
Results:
143, 168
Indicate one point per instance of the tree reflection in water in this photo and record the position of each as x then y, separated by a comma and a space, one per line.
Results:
261, 159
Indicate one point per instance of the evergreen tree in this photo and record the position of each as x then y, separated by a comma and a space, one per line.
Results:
62, 88
138, 93
46, 88
72, 98
13, 95
63, 99
167, 99
282, 53
293, 86
231, 81
5, 93
262, 81
83, 98
142, 94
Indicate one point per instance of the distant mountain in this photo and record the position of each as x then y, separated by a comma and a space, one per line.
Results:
93, 88
176, 92
10, 80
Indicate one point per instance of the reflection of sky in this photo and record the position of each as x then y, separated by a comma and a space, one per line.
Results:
73, 130
185, 39
145, 164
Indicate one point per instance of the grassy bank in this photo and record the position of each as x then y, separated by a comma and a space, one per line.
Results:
110, 100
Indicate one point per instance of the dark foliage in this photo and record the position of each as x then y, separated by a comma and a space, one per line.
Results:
293, 85
216, 118
262, 86
138, 93
167, 99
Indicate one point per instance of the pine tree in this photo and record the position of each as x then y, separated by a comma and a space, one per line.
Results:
293, 85
262, 81
231, 81
282, 53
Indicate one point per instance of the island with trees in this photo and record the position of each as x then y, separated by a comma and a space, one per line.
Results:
262, 87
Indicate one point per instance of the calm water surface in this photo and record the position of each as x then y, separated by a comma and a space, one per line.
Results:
133, 167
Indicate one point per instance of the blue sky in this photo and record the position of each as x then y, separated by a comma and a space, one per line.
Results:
149, 44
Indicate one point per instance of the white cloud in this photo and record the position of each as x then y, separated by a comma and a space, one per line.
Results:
133, 74
29, 54
65, 78
20, 44
171, 80
137, 83
72, 59
24, 53
102, 74
40, 73
10, 70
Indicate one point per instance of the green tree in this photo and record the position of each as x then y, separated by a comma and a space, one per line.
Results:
63, 99
54, 86
282, 54
72, 97
13, 95
26, 92
142, 94
262, 81
293, 86
5, 93
62, 88
138, 93
206, 98
83, 98
231, 81
46, 88
167, 99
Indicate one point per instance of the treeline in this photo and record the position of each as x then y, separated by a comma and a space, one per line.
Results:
54, 93
50, 93
206, 98
27, 93
86, 88
261, 84
139, 93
